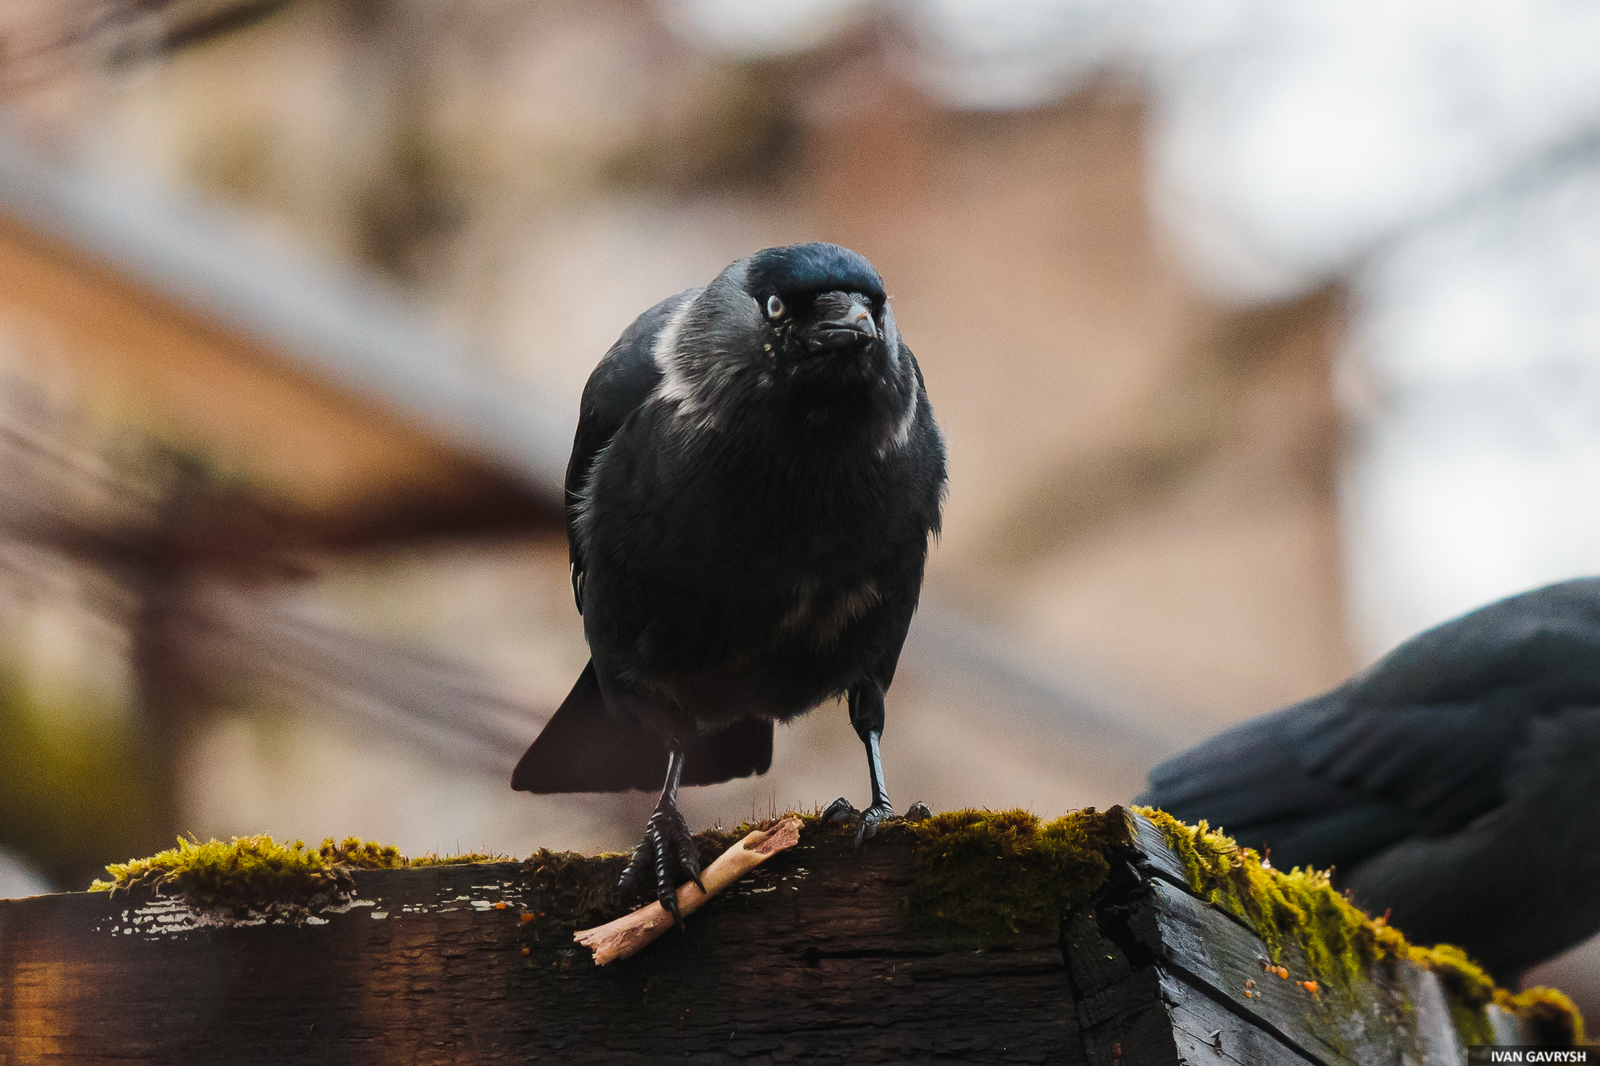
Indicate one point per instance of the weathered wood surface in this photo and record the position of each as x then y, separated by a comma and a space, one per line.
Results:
813, 956
808, 957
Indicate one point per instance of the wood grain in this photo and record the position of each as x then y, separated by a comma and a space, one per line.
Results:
809, 957
815, 955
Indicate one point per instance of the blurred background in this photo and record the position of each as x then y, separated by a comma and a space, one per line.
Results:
1264, 334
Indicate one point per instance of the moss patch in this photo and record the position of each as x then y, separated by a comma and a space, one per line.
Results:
1552, 1017
360, 854
463, 859
1340, 940
1001, 874
258, 877
249, 876
572, 891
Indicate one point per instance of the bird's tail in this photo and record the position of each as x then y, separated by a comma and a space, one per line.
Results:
585, 748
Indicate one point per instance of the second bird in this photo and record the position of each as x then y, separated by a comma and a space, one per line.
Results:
754, 481
1455, 783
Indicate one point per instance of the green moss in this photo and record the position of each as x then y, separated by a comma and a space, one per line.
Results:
572, 891
1338, 939
1552, 1017
249, 874
260, 877
1467, 986
463, 859
1001, 874
1341, 941
713, 842
362, 854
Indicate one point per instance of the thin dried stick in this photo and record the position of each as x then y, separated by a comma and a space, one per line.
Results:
631, 932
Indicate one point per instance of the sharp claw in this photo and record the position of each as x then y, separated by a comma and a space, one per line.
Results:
669, 899
870, 820
689, 859
919, 812
629, 883
667, 850
839, 812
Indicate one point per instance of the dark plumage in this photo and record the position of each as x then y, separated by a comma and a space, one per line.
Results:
753, 483
1455, 783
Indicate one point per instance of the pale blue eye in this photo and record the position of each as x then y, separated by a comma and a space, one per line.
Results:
774, 306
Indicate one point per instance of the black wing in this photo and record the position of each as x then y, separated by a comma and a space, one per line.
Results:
1418, 744
618, 386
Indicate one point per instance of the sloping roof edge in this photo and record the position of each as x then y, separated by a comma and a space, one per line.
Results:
344, 328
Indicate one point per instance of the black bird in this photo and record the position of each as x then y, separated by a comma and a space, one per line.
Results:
753, 484
1455, 783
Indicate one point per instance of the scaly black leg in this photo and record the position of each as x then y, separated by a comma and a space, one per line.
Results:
866, 714
667, 843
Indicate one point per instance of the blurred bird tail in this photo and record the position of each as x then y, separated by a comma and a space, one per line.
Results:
585, 748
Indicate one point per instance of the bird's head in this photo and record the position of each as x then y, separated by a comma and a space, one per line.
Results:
805, 325
816, 299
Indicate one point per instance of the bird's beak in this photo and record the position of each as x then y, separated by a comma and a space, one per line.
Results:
855, 327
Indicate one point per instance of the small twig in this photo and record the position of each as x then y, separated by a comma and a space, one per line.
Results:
631, 932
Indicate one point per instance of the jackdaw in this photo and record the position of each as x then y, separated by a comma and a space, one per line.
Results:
753, 484
1454, 784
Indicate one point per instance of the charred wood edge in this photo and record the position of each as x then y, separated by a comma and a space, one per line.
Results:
1160, 974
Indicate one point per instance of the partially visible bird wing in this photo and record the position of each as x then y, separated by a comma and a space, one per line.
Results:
1417, 744
617, 388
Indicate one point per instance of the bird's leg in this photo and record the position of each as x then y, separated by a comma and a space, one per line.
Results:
667, 844
866, 714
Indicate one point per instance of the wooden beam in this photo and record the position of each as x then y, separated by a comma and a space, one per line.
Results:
818, 954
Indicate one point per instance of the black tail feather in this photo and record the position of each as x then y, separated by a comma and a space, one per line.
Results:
585, 748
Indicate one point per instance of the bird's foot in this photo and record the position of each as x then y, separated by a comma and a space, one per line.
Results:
666, 857
919, 812
840, 812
